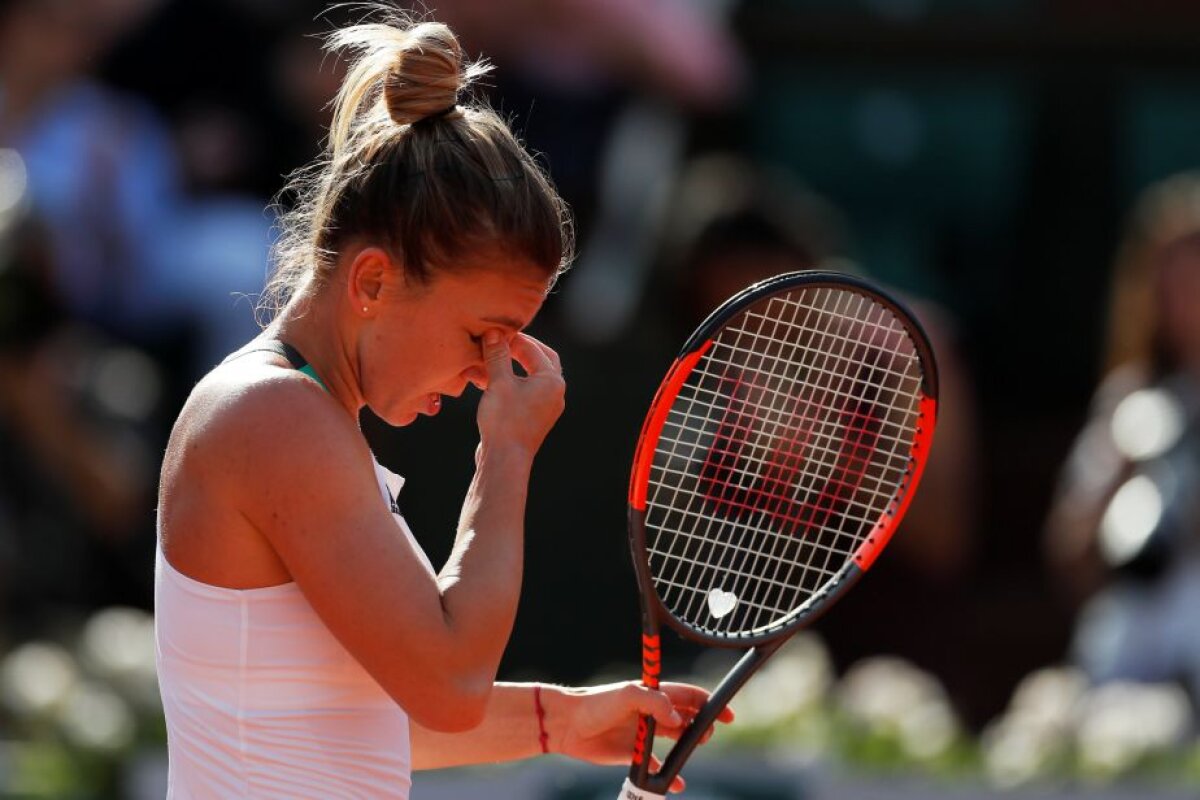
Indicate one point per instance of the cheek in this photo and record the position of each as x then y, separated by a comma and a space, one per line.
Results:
389, 369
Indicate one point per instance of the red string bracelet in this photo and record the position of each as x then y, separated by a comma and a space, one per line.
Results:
543, 737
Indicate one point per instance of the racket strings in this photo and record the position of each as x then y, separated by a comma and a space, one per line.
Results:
863, 439
726, 365
797, 513
856, 442
812, 517
746, 453
881, 482
768, 507
781, 451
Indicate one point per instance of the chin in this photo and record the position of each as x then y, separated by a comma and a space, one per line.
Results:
396, 418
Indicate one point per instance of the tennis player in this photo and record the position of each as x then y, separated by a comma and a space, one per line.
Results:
307, 648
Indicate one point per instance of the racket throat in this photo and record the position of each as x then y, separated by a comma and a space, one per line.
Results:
673, 763
733, 682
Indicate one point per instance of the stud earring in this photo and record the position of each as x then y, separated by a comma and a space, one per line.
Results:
364, 309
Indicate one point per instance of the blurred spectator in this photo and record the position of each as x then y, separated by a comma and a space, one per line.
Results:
117, 288
76, 460
1123, 533
101, 168
245, 120
132, 254
672, 47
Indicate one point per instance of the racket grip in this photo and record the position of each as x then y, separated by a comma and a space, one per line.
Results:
631, 792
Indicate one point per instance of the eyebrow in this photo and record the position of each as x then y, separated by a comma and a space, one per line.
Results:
507, 322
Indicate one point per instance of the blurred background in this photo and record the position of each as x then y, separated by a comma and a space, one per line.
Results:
1021, 171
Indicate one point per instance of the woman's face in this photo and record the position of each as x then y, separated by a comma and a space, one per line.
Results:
425, 342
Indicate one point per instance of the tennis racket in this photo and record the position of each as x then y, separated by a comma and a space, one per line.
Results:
776, 461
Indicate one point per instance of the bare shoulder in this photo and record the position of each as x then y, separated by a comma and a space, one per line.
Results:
258, 441
248, 412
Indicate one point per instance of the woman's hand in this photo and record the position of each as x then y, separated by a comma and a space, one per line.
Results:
519, 410
598, 724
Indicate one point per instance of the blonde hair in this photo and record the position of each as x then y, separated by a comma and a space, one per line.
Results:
1166, 213
409, 167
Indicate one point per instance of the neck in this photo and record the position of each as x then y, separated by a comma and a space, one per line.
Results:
312, 326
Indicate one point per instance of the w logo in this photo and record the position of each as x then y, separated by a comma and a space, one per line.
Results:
771, 449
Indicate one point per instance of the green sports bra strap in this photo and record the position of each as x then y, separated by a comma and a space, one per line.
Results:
308, 370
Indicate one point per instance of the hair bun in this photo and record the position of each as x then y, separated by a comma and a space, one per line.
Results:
427, 75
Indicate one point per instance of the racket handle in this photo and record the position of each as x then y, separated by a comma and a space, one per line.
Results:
631, 792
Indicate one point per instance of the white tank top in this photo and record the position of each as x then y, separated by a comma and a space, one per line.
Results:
261, 701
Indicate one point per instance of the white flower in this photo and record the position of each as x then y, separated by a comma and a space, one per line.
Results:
793, 680
118, 645
1036, 732
892, 696
1121, 722
119, 640
94, 717
36, 677
1051, 696
1020, 746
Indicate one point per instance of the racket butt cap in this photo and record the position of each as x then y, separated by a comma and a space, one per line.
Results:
631, 792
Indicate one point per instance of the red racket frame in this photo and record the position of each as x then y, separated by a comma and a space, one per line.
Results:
763, 645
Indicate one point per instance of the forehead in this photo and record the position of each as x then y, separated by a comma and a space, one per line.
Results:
509, 295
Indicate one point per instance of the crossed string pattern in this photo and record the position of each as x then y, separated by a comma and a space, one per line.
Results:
786, 444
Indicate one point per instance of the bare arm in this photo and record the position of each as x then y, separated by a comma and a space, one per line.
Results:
432, 642
595, 724
509, 731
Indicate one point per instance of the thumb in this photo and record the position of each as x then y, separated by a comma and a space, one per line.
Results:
497, 358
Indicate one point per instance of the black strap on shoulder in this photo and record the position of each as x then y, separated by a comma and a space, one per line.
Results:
280, 348
276, 346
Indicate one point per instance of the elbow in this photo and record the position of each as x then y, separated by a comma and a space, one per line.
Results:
451, 705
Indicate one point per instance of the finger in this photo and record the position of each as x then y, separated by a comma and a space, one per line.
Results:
688, 721
654, 703
531, 357
497, 357
692, 698
678, 784
548, 350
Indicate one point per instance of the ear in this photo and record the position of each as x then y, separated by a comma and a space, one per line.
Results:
371, 268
